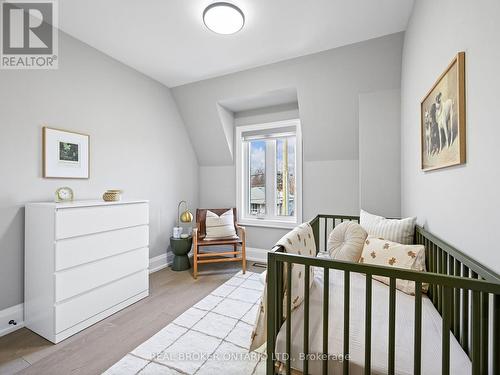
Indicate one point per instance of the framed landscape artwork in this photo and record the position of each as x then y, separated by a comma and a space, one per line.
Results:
443, 119
65, 154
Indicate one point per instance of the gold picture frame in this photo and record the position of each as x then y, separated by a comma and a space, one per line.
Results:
65, 154
442, 119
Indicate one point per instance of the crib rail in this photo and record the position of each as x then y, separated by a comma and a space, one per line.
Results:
460, 288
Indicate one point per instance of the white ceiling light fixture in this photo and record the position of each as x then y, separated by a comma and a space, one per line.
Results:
223, 18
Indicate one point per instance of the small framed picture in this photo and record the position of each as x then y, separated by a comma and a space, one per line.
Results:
65, 154
443, 119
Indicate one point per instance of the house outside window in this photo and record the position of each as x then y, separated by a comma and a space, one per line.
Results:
269, 174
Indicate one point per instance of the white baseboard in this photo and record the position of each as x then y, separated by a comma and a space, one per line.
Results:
257, 255
15, 313
158, 263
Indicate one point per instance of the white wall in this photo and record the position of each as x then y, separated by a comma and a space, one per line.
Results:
379, 152
328, 86
459, 204
138, 143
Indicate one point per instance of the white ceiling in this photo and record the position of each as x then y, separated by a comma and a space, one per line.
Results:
167, 40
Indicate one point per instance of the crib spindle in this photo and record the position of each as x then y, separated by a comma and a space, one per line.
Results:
456, 304
417, 358
325, 239
447, 311
439, 287
272, 279
484, 333
496, 333
347, 283
465, 313
288, 316
392, 325
476, 333
368, 325
306, 320
326, 298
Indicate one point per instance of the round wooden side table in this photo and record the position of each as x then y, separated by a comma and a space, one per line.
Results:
181, 248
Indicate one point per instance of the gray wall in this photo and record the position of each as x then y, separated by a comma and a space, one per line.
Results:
459, 204
380, 153
136, 135
328, 85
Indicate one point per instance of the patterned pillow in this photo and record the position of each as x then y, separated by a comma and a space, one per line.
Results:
346, 241
220, 227
400, 231
391, 254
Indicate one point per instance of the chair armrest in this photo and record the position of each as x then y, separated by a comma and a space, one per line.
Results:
242, 232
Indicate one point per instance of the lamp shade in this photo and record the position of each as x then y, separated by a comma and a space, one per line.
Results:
186, 217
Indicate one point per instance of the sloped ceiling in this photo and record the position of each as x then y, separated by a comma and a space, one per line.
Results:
167, 40
327, 85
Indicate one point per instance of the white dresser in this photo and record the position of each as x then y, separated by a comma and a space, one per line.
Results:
83, 262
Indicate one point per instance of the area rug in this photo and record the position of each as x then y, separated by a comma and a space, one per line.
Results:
212, 337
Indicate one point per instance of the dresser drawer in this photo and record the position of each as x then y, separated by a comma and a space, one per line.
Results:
72, 222
74, 251
78, 309
77, 280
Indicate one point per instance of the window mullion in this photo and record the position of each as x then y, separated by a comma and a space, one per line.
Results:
270, 172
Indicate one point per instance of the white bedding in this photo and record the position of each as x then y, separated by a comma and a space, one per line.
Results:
431, 330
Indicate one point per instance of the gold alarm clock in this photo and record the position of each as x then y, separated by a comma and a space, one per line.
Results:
64, 194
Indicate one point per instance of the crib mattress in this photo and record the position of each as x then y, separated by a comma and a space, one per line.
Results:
431, 330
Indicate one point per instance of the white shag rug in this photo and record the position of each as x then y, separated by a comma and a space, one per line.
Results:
212, 337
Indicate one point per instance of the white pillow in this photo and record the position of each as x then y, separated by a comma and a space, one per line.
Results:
392, 254
220, 227
346, 241
400, 231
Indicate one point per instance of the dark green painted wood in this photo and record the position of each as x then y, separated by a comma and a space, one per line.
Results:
347, 285
476, 333
288, 340
439, 287
279, 292
399, 273
417, 351
434, 276
456, 302
484, 333
272, 277
368, 324
446, 321
474, 265
464, 339
392, 325
325, 238
452, 272
496, 334
326, 300
315, 228
305, 365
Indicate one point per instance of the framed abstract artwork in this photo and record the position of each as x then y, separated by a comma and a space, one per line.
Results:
65, 154
442, 114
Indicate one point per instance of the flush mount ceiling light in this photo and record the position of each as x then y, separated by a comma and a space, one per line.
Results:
223, 18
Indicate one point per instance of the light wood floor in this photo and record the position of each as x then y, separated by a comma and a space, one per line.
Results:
98, 347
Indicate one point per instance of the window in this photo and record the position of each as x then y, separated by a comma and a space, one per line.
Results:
269, 174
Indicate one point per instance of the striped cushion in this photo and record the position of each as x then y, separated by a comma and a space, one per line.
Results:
220, 227
400, 231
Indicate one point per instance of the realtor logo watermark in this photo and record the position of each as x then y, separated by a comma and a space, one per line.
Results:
29, 37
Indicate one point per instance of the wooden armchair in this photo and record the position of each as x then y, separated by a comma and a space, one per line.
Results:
199, 241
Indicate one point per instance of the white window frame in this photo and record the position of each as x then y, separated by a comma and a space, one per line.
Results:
241, 159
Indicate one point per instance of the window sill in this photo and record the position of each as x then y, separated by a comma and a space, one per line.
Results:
266, 223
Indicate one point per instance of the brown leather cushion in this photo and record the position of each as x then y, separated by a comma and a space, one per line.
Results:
201, 217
